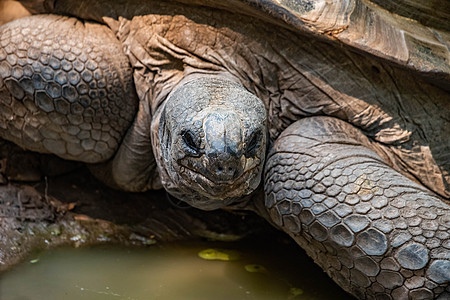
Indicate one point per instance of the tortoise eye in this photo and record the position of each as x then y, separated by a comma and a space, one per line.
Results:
252, 144
189, 141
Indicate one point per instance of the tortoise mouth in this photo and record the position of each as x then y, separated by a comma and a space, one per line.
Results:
222, 192
202, 193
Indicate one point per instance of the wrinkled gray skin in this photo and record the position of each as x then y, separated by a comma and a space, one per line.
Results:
189, 98
212, 138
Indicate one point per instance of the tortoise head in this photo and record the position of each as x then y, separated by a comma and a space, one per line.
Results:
212, 135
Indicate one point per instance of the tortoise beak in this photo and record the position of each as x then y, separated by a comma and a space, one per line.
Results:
224, 146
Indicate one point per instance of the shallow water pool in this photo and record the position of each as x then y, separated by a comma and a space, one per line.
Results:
175, 271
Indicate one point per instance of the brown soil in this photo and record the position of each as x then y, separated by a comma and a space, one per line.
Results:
63, 204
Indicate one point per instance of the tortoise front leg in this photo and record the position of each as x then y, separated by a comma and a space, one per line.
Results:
375, 232
65, 87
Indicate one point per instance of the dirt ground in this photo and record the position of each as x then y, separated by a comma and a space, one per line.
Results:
47, 202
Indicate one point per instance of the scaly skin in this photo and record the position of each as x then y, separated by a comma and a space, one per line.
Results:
67, 91
370, 242
375, 232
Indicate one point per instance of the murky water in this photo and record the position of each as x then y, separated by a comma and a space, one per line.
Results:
170, 272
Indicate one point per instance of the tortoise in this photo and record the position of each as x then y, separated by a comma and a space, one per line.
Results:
330, 120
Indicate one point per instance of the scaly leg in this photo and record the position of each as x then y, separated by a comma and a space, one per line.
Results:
378, 234
65, 87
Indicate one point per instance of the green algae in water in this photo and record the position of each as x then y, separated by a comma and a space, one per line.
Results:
169, 272
219, 254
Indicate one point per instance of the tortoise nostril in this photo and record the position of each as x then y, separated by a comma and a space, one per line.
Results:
224, 170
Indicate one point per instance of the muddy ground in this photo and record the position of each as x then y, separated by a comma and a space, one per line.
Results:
47, 202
